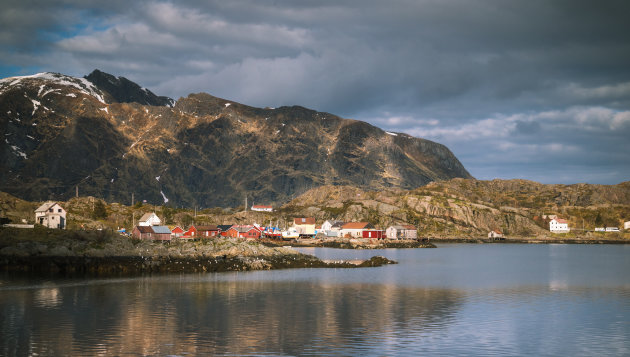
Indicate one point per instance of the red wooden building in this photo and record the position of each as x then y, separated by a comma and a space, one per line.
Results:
244, 232
208, 231
374, 233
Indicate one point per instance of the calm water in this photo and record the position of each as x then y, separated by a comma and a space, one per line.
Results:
534, 300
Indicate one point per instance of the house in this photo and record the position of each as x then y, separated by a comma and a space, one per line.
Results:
401, 232
495, 234
51, 215
149, 219
328, 225
177, 232
626, 225
208, 231
244, 232
304, 226
161, 233
191, 233
262, 208
559, 225
373, 233
354, 229
223, 228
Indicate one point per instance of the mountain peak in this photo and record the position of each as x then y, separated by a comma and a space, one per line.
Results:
122, 90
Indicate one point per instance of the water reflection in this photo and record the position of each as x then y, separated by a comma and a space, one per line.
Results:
479, 300
152, 316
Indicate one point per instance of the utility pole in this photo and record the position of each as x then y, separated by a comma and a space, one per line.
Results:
245, 203
132, 198
77, 191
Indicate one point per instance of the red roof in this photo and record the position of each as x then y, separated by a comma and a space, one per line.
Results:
560, 220
307, 220
177, 229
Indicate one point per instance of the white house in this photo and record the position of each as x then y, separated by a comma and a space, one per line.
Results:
495, 234
328, 225
149, 219
401, 232
559, 225
354, 229
626, 225
51, 215
304, 226
262, 208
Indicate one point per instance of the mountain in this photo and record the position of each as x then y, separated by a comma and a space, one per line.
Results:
108, 137
122, 90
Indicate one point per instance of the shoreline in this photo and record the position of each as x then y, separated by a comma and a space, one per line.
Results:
132, 265
348, 243
537, 240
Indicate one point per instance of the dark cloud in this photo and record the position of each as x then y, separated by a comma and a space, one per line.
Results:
506, 85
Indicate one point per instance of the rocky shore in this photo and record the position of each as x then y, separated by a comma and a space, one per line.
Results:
107, 253
346, 243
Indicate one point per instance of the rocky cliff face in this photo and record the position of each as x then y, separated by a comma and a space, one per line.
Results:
468, 207
111, 139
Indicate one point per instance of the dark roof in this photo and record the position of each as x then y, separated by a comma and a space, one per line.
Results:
145, 229
224, 227
207, 228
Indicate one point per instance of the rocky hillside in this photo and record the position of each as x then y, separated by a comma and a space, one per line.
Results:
471, 208
462, 208
112, 139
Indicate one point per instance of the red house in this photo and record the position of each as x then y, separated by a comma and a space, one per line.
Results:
177, 232
223, 228
191, 233
244, 232
374, 233
208, 231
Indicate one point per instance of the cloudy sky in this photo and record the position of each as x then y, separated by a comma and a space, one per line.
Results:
533, 89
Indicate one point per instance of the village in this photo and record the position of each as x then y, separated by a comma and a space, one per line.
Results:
151, 227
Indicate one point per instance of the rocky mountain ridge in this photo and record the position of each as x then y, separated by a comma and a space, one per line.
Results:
112, 139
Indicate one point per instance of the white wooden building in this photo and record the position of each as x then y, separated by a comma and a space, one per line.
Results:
559, 225
401, 232
149, 219
51, 215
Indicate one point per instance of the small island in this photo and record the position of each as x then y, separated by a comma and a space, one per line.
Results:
107, 253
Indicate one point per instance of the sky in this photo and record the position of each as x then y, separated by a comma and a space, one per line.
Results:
535, 89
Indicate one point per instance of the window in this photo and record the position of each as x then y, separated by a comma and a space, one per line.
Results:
59, 210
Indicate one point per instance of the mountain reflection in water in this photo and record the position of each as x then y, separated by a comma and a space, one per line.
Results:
479, 300
159, 316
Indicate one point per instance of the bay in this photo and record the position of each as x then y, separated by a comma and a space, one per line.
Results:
458, 299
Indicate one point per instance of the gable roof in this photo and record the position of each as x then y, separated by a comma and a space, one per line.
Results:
305, 220
208, 228
356, 225
338, 224
46, 206
224, 227
145, 217
243, 229
560, 220
177, 229
161, 229
145, 229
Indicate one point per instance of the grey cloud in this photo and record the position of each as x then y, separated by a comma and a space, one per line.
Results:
451, 70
